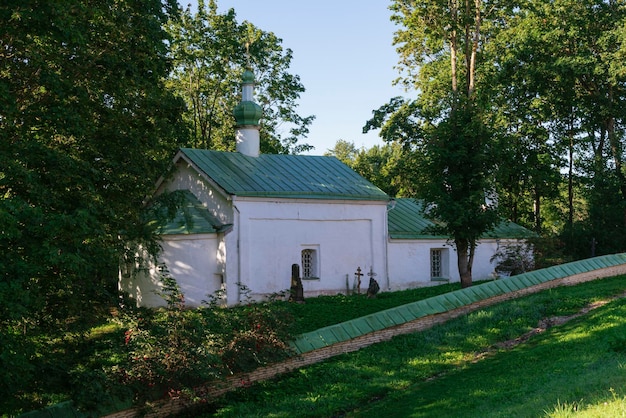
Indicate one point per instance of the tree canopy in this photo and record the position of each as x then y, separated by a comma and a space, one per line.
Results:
86, 126
527, 96
210, 51
440, 45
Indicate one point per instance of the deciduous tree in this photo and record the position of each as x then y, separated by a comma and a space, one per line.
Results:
440, 45
86, 126
210, 51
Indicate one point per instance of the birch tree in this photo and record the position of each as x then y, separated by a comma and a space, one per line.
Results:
439, 44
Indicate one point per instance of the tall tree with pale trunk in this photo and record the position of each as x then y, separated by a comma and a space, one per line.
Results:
439, 43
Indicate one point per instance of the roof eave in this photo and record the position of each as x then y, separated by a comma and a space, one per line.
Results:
181, 155
312, 196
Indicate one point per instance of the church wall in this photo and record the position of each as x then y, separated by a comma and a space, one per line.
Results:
193, 261
269, 235
343, 235
190, 259
483, 267
187, 178
410, 261
141, 280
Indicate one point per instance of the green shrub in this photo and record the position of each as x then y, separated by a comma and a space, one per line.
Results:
173, 349
15, 355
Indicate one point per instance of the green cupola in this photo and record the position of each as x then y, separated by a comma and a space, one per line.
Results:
247, 112
247, 115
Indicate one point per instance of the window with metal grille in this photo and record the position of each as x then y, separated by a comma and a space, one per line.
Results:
309, 263
436, 263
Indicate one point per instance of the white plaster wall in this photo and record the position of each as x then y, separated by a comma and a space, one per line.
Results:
190, 259
346, 234
141, 281
193, 261
409, 262
483, 268
215, 201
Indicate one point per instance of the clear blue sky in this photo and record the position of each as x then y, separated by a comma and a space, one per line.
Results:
343, 54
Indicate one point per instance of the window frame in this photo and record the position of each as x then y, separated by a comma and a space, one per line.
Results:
443, 267
314, 262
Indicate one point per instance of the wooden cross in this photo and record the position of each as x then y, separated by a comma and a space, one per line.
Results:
357, 277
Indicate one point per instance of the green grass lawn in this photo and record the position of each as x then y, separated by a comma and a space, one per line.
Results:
323, 311
438, 372
580, 365
571, 364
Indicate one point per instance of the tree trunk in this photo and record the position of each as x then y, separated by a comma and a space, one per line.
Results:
465, 257
537, 210
570, 178
454, 11
474, 42
616, 150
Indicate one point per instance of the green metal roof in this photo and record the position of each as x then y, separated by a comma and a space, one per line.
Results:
407, 221
191, 218
508, 229
283, 176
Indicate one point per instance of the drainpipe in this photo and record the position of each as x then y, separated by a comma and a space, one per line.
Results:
390, 206
238, 223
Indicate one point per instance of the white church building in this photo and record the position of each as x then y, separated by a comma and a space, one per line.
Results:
248, 217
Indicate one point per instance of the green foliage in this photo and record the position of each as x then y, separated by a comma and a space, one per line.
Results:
547, 80
345, 151
559, 91
170, 351
86, 128
87, 366
386, 166
210, 51
15, 356
102, 366
455, 173
452, 148
428, 373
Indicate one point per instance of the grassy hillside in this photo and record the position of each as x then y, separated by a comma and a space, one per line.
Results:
469, 366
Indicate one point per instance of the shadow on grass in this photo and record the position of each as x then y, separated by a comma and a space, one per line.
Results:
572, 364
434, 372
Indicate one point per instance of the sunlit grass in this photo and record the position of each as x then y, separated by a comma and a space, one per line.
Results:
612, 406
436, 372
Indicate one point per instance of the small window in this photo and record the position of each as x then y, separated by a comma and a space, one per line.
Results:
439, 263
309, 263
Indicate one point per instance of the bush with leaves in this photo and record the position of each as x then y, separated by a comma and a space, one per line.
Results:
260, 337
173, 349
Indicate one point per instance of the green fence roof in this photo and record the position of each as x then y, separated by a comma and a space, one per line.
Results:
402, 314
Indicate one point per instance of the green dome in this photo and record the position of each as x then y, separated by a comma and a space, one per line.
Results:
247, 113
247, 77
